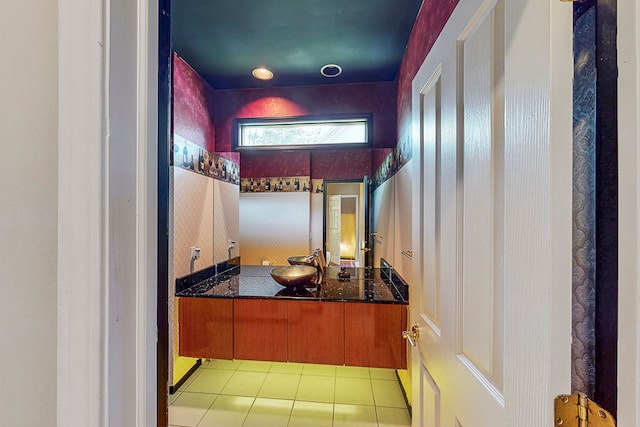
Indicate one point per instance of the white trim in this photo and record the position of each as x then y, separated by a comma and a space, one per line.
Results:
629, 214
561, 181
99, 334
81, 213
147, 213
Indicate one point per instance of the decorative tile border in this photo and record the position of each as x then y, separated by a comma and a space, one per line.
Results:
393, 163
317, 185
289, 184
192, 157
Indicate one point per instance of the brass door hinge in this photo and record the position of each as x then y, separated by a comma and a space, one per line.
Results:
577, 410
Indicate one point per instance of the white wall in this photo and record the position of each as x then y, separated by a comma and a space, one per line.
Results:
391, 212
28, 211
383, 220
402, 219
317, 220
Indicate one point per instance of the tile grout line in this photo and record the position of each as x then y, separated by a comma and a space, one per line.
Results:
244, 420
207, 410
295, 399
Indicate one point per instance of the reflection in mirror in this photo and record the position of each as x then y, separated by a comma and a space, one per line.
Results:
273, 227
383, 222
344, 223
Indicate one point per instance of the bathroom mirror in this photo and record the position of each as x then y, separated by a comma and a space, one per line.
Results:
346, 223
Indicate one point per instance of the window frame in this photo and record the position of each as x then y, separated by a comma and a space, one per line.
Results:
238, 123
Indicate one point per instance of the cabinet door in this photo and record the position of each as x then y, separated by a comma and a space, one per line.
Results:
206, 327
373, 335
260, 329
316, 332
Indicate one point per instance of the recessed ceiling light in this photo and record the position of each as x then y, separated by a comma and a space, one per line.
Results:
331, 70
262, 73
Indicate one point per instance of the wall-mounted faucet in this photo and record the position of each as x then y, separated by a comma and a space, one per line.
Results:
230, 245
195, 254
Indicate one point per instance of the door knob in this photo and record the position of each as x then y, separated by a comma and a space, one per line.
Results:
412, 335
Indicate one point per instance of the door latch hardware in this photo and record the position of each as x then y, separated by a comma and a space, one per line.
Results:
577, 410
412, 335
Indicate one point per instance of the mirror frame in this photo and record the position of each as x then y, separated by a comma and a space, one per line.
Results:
367, 258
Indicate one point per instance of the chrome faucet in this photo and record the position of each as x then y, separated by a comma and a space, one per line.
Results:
230, 245
318, 261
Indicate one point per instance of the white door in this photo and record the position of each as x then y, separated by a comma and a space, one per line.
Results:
334, 228
491, 216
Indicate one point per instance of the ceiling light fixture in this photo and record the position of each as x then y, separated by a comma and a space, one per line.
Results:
262, 73
331, 70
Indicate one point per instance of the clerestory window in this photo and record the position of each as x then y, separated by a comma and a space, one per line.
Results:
304, 132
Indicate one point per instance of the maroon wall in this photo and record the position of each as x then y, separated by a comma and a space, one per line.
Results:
378, 157
320, 164
390, 103
432, 17
340, 164
193, 101
376, 98
275, 163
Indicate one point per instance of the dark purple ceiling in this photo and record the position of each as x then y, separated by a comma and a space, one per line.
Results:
224, 40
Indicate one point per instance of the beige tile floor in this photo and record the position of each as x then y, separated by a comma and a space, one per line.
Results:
224, 393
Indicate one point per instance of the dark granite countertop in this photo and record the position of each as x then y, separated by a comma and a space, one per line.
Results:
248, 281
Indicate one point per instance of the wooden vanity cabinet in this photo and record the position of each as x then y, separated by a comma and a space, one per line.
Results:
316, 332
373, 335
206, 327
334, 333
260, 329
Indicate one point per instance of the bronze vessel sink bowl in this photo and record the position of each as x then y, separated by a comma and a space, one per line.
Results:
294, 276
300, 260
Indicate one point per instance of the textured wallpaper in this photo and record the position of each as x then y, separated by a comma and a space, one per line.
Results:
193, 220
320, 164
172, 315
377, 98
193, 101
275, 163
340, 164
583, 369
432, 17
192, 225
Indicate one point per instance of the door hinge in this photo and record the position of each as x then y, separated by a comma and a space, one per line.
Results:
577, 410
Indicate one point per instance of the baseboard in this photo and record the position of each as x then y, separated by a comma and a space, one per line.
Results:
176, 386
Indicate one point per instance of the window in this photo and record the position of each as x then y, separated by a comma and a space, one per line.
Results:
305, 132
